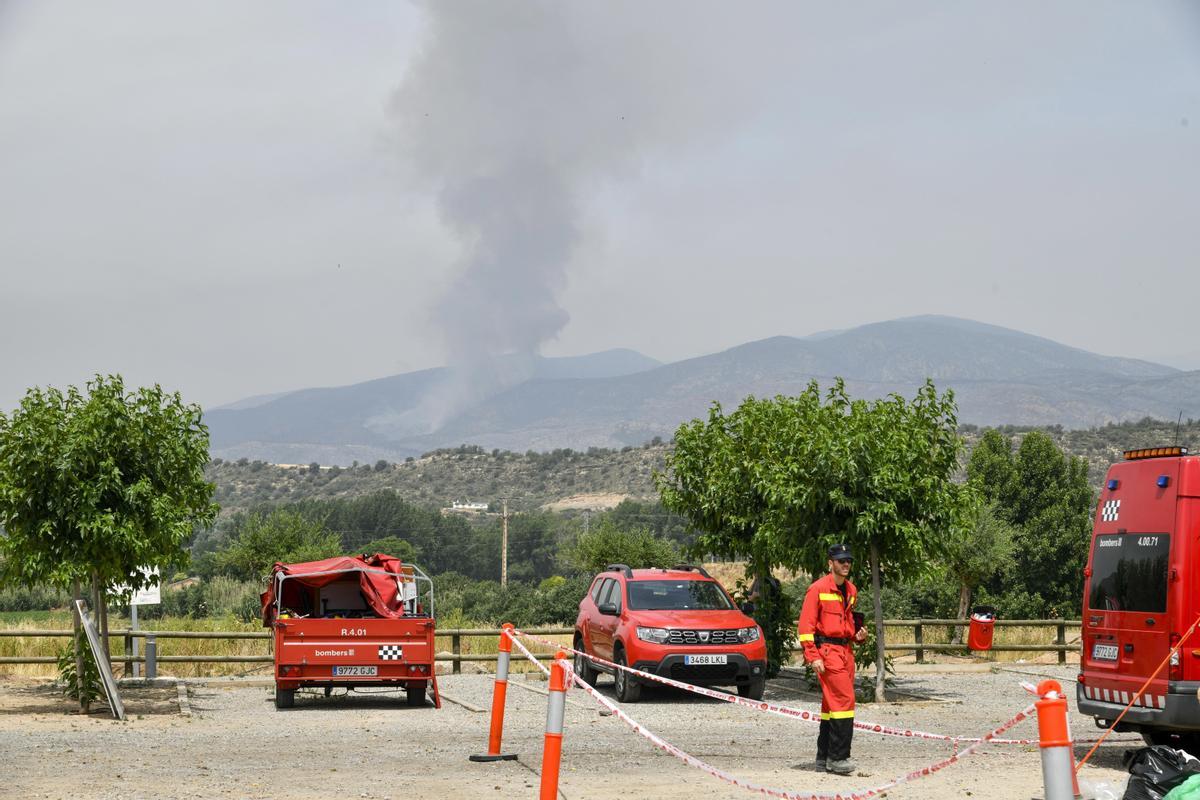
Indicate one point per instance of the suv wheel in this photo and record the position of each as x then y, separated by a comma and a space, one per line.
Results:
583, 664
628, 689
754, 689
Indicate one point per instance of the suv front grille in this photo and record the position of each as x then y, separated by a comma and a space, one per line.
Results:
703, 637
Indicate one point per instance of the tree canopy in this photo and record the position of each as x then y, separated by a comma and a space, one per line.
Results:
1045, 496
100, 484
777, 481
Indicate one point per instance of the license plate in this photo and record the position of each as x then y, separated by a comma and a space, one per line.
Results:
353, 672
706, 659
1104, 652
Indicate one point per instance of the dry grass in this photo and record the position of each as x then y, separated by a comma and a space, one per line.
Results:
1006, 635
27, 646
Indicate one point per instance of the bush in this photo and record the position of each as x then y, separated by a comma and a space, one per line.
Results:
20, 598
89, 689
608, 545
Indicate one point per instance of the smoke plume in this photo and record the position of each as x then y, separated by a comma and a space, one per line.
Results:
512, 114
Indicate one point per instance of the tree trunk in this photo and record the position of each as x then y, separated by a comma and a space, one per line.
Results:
964, 604
78, 643
103, 611
876, 586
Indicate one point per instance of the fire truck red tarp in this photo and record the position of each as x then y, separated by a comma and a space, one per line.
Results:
380, 591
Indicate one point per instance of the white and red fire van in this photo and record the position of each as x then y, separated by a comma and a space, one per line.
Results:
1141, 595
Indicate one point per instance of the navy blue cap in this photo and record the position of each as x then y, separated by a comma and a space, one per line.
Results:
838, 552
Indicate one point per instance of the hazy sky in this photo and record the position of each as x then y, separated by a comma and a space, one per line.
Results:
234, 198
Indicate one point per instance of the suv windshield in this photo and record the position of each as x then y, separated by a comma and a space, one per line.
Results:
677, 596
1129, 572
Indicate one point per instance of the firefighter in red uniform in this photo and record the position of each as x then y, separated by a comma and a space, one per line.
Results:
827, 632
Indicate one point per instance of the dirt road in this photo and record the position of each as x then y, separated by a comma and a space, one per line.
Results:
235, 744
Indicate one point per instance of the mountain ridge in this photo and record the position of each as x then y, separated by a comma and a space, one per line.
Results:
999, 375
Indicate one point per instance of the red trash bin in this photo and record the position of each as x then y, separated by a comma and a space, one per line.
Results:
983, 621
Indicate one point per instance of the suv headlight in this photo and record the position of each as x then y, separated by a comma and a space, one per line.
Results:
747, 635
656, 635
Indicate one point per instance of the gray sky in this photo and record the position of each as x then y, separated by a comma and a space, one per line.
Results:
237, 198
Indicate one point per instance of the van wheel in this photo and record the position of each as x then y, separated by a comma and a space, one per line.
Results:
285, 698
583, 665
754, 689
416, 695
628, 689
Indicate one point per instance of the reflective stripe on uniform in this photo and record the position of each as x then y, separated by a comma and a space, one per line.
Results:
805, 637
834, 596
839, 715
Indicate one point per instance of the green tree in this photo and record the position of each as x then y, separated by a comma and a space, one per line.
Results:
95, 486
979, 555
1045, 495
777, 481
265, 537
607, 544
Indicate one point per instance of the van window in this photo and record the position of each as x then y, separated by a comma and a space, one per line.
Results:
1129, 572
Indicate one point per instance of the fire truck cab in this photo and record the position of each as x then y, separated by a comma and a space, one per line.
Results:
1141, 595
351, 622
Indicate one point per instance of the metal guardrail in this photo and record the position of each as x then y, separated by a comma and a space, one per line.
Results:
458, 658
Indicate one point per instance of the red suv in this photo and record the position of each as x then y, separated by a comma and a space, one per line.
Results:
678, 623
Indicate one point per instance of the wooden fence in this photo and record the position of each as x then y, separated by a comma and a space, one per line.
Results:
457, 657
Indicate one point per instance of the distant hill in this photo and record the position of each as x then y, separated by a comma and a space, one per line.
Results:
580, 479
619, 398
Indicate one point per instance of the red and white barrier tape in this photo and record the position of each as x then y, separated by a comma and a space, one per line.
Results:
691, 760
529, 655
773, 708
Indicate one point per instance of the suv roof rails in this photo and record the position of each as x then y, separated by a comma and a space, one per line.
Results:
622, 568
692, 568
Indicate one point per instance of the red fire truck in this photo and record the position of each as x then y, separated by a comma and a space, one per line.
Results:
1141, 595
351, 622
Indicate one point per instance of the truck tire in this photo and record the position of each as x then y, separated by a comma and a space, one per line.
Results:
285, 698
416, 695
753, 689
628, 689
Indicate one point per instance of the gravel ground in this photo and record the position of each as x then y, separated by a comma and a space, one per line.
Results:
234, 743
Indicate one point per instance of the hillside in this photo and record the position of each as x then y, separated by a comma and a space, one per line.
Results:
616, 399
576, 480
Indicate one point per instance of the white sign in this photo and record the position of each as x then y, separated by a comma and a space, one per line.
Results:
147, 596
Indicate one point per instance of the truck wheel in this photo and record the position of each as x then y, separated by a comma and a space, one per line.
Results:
583, 665
754, 689
416, 695
628, 689
285, 698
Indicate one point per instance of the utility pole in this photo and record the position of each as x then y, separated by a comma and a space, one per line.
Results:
504, 542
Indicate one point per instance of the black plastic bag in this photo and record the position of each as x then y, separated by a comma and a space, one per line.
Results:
1154, 771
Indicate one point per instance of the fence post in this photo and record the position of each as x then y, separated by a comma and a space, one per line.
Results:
1062, 641
920, 638
151, 657
456, 648
552, 749
496, 730
128, 655
1054, 739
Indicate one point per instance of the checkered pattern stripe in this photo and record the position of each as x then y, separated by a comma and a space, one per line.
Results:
390, 652
1111, 511
1117, 696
